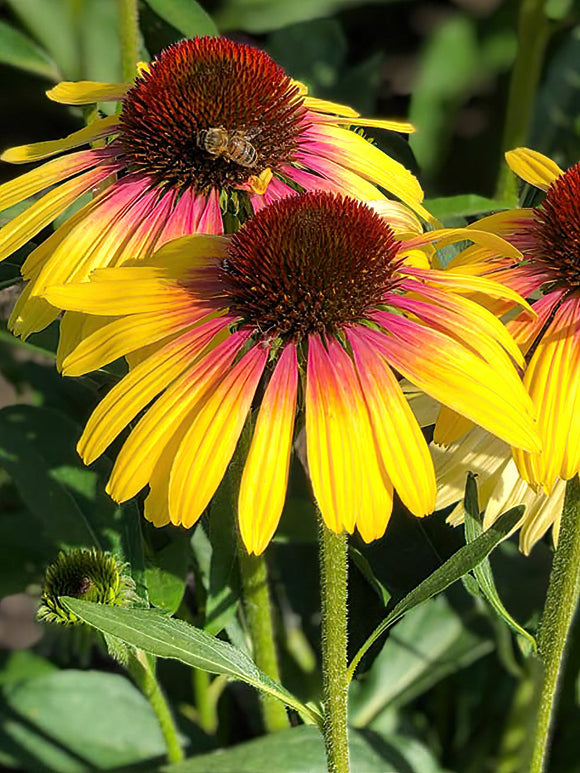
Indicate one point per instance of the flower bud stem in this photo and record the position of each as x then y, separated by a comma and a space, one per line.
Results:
144, 676
258, 613
561, 602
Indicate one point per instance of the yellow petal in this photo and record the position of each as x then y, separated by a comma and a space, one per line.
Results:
450, 426
138, 388
40, 214
87, 92
350, 487
353, 151
48, 174
23, 154
457, 377
553, 382
533, 167
117, 298
265, 476
400, 218
209, 444
120, 337
177, 407
74, 328
399, 441
324, 106
30, 315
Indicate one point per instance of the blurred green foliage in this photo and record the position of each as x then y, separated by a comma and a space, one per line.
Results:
440, 692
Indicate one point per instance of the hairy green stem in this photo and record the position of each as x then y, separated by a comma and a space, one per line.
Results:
335, 680
144, 676
561, 602
533, 33
130, 38
258, 611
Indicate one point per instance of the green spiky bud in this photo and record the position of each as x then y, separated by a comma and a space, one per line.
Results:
88, 574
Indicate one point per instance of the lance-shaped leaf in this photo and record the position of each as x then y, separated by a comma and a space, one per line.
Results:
158, 634
460, 563
482, 572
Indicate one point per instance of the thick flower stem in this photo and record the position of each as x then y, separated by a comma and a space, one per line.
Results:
561, 602
258, 612
130, 37
143, 674
333, 576
533, 33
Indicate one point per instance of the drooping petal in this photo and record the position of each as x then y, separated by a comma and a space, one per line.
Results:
462, 319
74, 328
399, 441
545, 511
96, 130
400, 218
87, 92
533, 167
265, 476
27, 224
447, 236
354, 152
350, 488
479, 452
115, 298
329, 176
177, 406
39, 314
462, 283
552, 378
210, 442
116, 231
457, 377
125, 335
210, 221
139, 387
55, 171
86, 230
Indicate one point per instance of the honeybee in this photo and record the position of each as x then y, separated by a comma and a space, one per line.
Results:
232, 145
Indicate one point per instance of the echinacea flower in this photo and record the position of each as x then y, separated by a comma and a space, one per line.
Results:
308, 311
548, 274
209, 127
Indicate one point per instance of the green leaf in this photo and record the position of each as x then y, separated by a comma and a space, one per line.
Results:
187, 16
429, 643
558, 9
166, 571
265, 15
364, 567
17, 50
301, 750
154, 632
313, 52
461, 562
555, 129
442, 84
467, 205
482, 572
52, 24
35, 446
77, 722
19, 665
221, 601
66, 505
